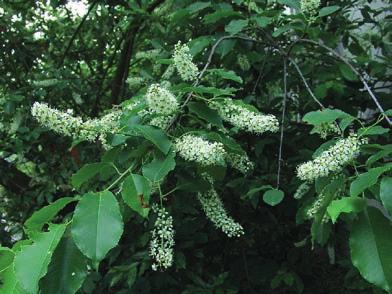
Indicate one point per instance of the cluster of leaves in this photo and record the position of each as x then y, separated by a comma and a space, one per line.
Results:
76, 219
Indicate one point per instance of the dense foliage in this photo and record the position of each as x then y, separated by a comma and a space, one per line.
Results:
195, 147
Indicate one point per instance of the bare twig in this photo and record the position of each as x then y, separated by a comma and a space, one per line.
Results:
356, 72
306, 83
282, 121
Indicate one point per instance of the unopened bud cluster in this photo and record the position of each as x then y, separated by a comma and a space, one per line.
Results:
202, 151
183, 62
162, 242
302, 190
332, 160
326, 129
213, 208
310, 7
244, 118
239, 162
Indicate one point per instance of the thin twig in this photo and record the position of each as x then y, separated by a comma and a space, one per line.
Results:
77, 30
282, 121
356, 72
306, 84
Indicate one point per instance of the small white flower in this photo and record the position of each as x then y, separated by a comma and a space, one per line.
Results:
183, 62
310, 7
244, 118
193, 148
213, 208
241, 163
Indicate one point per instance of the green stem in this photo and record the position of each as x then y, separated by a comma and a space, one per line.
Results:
120, 177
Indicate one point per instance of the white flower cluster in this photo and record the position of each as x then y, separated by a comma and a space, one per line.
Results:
332, 160
161, 101
244, 118
193, 148
162, 243
161, 121
213, 208
183, 62
240, 162
64, 123
302, 190
316, 206
310, 7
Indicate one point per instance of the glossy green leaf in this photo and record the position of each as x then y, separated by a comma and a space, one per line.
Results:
328, 10
154, 135
263, 21
386, 193
46, 214
87, 172
208, 114
219, 15
368, 179
97, 225
6, 258
370, 245
345, 205
291, 3
375, 130
236, 26
347, 73
156, 170
198, 6
10, 283
273, 197
66, 271
136, 191
324, 116
31, 262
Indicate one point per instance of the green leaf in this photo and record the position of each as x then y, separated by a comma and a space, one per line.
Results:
236, 26
375, 130
45, 214
346, 205
10, 283
154, 135
31, 262
368, 179
97, 225
156, 170
282, 30
370, 244
208, 114
87, 172
136, 191
6, 258
198, 6
263, 21
197, 45
218, 15
226, 74
386, 193
324, 116
347, 73
273, 197
328, 10
66, 271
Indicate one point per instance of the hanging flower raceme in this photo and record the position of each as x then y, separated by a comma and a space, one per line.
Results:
239, 162
183, 62
194, 148
64, 123
213, 208
331, 160
161, 101
244, 117
162, 242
